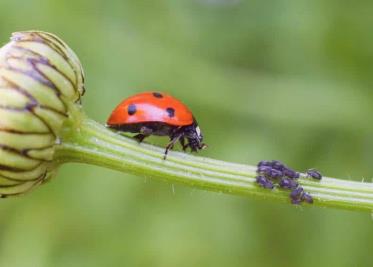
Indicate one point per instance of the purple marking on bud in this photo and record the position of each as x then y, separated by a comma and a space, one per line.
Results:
315, 174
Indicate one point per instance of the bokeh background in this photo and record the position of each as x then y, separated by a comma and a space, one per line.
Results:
288, 80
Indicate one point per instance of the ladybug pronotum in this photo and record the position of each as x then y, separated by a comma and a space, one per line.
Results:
155, 113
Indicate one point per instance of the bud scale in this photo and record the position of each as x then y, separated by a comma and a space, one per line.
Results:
40, 77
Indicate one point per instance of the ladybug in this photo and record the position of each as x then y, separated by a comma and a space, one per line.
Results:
155, 113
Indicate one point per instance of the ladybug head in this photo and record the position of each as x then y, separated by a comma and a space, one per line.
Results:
195, 137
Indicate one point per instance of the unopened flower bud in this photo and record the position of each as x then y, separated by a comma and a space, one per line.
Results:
40, 78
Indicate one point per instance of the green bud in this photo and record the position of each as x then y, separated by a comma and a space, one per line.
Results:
40, 79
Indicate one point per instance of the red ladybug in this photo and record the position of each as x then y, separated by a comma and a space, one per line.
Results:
154, 113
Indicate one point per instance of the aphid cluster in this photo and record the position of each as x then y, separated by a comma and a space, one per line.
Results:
271, 173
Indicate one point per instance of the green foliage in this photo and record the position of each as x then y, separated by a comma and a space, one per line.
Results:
266, 79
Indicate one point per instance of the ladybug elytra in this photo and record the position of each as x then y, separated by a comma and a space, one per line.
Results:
154, 113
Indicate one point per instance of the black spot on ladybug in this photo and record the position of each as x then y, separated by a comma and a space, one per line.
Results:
131, 109
171, 112
157, 95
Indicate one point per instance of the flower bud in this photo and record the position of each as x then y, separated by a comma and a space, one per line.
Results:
40, 77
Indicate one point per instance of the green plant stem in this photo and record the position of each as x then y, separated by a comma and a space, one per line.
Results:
90, 142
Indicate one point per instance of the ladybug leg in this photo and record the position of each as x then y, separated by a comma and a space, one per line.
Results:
140, 137
182, 142
144, 132
171, 144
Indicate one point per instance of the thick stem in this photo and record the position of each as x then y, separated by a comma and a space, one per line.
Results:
90, 142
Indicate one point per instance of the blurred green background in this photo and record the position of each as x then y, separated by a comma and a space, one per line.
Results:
288, 80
